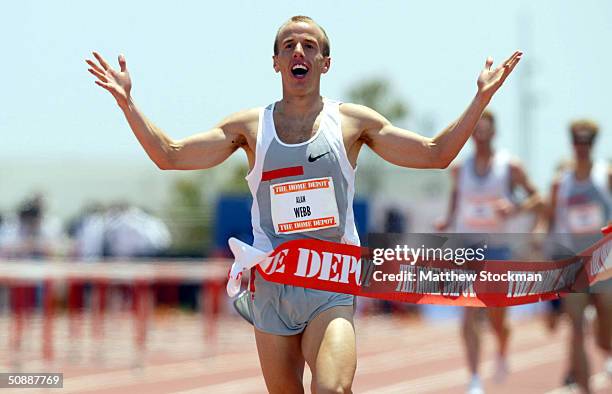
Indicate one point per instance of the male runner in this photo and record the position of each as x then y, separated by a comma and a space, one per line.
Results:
581, 204
302, 137
481, 202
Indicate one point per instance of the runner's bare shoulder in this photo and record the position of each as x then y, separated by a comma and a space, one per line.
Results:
243, 124
360, 113
356, 118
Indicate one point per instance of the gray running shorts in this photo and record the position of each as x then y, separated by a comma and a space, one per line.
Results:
287, 310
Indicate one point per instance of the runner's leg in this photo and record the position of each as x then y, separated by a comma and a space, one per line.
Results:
470, 330
603, 305
471, 338
281, 362
497, 317
574, 306
328, 345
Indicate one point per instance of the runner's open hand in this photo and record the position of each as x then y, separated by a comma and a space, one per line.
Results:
118, 83
490, 79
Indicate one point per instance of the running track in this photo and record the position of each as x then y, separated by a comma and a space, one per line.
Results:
394, 356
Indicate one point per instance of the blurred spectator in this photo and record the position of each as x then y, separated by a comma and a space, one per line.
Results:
132, 232
87, 231
31, 234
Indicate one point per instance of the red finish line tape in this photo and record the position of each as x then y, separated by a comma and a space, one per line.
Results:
338, 268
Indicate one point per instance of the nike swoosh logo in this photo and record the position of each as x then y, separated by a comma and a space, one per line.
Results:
311, 159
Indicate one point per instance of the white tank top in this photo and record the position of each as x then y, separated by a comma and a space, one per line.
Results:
584, 207
478, 194
302, 190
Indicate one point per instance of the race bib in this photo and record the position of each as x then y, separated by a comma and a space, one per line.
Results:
585, 218
303, 206
480, 212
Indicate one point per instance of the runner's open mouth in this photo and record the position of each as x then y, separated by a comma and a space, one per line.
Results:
299, 70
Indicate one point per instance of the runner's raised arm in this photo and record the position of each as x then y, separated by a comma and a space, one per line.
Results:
200, 151
408, 149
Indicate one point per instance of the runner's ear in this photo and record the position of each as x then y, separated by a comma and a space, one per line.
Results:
275, 64
326, 65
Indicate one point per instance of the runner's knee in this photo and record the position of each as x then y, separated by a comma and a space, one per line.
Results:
291, 385
337, 387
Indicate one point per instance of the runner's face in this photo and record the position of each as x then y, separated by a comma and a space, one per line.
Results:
483, 133
299, 60
582, 141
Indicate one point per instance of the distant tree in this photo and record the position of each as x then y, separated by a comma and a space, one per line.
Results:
236, 184
189, 217
377, 94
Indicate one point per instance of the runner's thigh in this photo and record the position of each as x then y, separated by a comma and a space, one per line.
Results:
328, 345
281, 362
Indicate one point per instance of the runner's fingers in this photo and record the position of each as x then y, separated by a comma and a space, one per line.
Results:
513, 58
509, 59
513, 64
101, 60
106, 86
98, 74
122, 63
510, 66
94, 65
516, 60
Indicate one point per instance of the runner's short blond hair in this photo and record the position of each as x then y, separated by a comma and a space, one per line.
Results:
584, 126
325, 49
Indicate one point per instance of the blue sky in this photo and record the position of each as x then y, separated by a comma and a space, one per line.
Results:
193, 62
